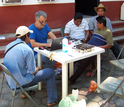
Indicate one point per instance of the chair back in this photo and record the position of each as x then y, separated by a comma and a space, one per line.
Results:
62, 31
120, 54
6, 71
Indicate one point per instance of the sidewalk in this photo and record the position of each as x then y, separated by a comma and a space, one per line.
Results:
93, 99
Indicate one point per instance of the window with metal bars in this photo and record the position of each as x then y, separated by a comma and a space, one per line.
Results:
11, 1
46, 0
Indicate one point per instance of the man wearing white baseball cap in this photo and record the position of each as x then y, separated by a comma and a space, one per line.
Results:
19, 59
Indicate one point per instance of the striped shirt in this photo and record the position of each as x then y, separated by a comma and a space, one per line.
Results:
76, 32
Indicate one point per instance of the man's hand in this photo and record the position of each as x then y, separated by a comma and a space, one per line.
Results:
49, 44
85, 39
37, 69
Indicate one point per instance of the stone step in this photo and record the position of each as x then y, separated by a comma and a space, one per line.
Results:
118, 32
1, 53
1, 61
117, 24
2, 47
118, 38
7, 41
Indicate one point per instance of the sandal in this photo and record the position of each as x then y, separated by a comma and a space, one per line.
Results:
58, 77
29, 92
89, 67
52, 104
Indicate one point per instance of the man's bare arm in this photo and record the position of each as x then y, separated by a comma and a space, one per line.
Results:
52, 36
91, 32
37, 44
105, 46
87, 35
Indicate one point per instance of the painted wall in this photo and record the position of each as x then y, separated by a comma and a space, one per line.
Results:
14, 16
114, 8
59, 13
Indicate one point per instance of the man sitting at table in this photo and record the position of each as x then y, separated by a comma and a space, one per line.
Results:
77, 28
102, 37
39, 37
101, 10
20, 62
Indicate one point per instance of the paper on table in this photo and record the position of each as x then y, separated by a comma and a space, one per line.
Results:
2, 37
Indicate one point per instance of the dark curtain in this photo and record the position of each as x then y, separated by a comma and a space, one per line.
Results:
86, 7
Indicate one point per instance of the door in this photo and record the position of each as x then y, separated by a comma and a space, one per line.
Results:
86, 7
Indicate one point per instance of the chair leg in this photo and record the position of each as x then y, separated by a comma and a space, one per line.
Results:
13, 96
29, 97
1, 86
111, 71
108, 59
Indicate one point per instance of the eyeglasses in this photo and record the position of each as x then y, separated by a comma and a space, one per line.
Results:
43, 22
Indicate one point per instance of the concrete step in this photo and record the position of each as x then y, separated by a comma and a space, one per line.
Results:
117, 24
118, 32
2, 47
118, 38
1, 61
7, 41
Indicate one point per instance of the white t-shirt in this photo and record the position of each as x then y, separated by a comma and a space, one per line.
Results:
76, 32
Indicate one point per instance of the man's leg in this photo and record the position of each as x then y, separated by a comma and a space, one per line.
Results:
48, 75
83, 65
46, 62
115, 49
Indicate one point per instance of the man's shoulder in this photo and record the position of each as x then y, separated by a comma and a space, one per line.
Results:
108, 20
94, 17
70, 22
84, 21
108, 31
26, 48
31, 26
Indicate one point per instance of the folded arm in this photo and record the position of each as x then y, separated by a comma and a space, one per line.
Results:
105, 46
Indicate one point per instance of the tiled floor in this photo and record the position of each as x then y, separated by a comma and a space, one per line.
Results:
93, 99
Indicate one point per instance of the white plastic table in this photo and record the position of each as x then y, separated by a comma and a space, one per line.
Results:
70, 57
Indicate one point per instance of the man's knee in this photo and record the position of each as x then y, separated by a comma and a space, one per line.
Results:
49, 71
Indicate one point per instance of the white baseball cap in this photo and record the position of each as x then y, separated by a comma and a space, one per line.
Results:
22, 30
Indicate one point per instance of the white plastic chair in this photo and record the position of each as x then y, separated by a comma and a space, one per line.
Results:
16, 90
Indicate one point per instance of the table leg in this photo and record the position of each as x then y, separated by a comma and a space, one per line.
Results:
71, 69
64, 80
98, 71
39, 65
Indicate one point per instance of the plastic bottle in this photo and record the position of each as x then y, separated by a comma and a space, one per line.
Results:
75, 92
65, 44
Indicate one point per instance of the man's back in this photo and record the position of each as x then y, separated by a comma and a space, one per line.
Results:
20, 62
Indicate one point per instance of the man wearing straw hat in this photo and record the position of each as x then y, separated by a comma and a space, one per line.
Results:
101, 10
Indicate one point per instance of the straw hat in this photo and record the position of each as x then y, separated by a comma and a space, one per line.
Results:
100, 6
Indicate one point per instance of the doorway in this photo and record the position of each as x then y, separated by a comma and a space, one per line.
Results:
86, 7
